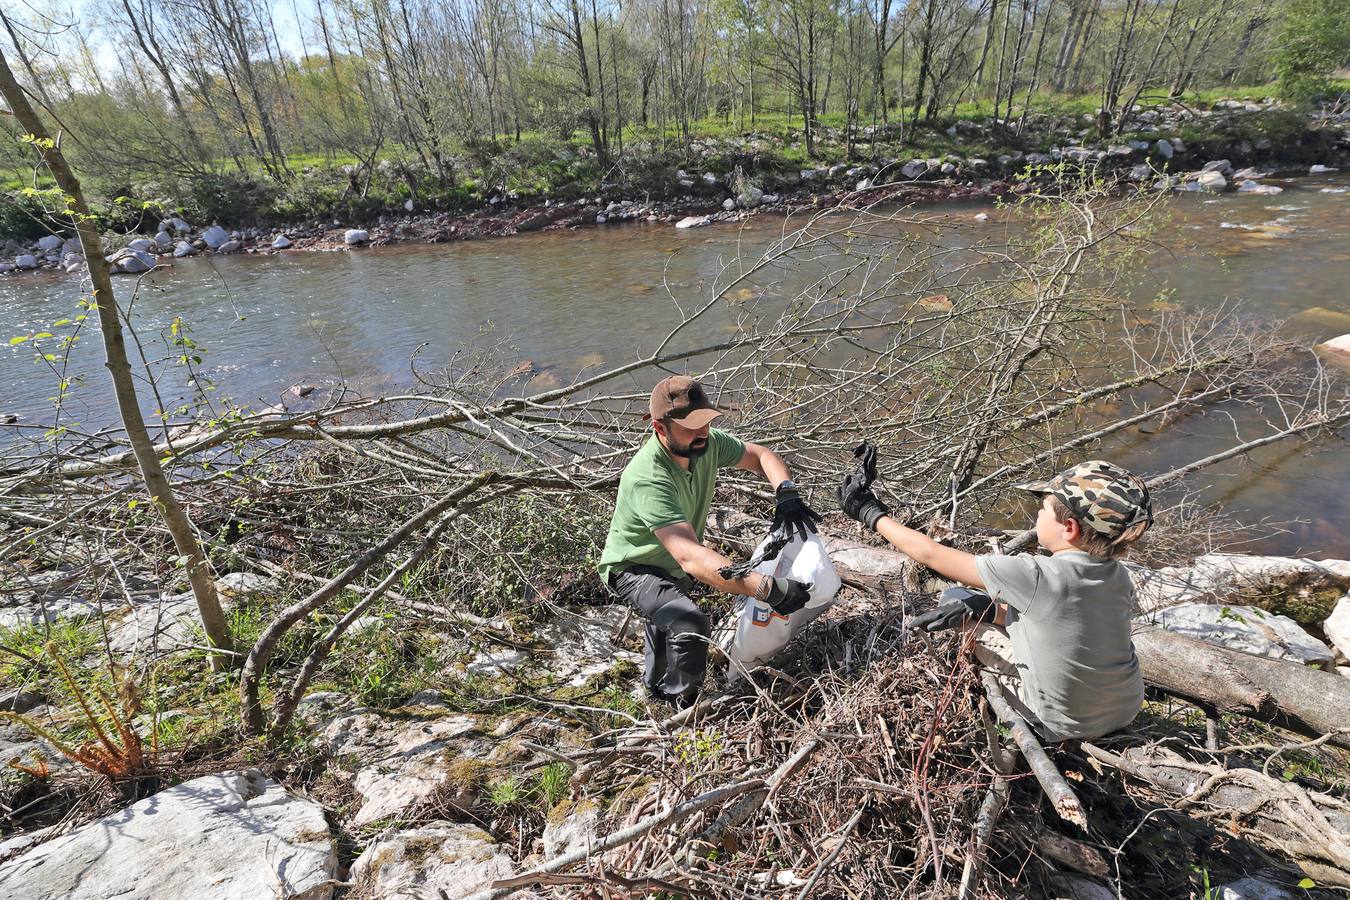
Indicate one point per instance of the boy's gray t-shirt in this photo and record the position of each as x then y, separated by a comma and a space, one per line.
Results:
1069, 621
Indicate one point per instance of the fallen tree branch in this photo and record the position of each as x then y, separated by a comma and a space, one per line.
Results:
1062, 797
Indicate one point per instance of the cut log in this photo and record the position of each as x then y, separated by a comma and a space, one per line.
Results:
1309, 827
1304, 700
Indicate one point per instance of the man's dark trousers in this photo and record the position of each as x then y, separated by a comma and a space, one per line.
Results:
677, 630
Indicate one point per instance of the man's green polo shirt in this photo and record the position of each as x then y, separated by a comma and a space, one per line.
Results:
654, 492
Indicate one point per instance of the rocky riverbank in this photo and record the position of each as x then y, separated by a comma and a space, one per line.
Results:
1233, 146
426, 798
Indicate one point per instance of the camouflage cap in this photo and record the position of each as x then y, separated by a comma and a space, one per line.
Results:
1103, 496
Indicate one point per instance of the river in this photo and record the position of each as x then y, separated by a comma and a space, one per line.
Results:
574, 299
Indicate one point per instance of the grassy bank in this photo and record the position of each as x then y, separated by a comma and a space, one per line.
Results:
656, 164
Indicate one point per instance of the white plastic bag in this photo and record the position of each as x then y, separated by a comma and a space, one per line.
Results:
757, 632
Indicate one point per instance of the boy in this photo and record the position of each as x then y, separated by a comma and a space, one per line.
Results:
1068, 614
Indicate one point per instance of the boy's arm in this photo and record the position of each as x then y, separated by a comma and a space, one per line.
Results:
957, 565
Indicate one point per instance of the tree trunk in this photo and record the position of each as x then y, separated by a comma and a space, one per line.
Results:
1302, 699
124, 387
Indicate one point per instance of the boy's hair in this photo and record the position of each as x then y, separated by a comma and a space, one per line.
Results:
1091, 541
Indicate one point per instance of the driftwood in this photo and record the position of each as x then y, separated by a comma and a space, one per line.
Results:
1307, 826
1302, 699
1062, 797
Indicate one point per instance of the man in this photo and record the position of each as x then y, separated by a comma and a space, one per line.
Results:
655, 548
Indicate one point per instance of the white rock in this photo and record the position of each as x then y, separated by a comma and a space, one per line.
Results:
1250, 172
408, 205
49, 243
400, 761
728, 204
281, 242
600, 219
1320, 169
982, 217
1211, 181
215, 236
1256, 187
1337, 626
145, 245
693, 222
355, 236
1252, 888
434, 862
183, 249
230, 246
575, 831
73, 267
583, 643
1246, 628
1039, 159
709, 179
231, 836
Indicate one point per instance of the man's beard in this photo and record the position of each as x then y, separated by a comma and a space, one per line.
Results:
689, 450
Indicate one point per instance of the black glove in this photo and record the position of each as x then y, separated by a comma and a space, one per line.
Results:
855, 492
791, 515
955, 608
787, 596
772, 547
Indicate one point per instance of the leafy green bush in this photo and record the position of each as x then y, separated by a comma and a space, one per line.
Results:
21, 218
1313, 41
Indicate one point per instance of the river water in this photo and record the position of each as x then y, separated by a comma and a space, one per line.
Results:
599, 295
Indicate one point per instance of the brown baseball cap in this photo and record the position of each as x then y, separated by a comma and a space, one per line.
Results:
683, 399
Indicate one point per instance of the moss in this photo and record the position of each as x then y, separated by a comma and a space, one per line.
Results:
1305, 606
565, 808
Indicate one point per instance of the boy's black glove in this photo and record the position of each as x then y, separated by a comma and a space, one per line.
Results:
855, 492
787, 596
791, 514
955, 608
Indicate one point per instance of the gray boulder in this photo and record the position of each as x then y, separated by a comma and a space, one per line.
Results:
1249, 629
133, 262
163, 240
1320, 169
435, 862
281, 242
1256, 187
50, 243
215, 236
230, 246
1253, 887
180, 226
354, 236
26, 261
231, 836
1222, 166
144, 245
729, 204
709, 178
750, 197
577, 830
1211, 181
1164, 148
914, 168
182, 249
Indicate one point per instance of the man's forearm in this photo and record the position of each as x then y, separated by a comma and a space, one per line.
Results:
702, 563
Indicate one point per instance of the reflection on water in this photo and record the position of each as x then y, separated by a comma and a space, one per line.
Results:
600, 296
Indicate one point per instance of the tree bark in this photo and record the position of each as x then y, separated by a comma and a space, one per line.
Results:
1302, 699
124, 387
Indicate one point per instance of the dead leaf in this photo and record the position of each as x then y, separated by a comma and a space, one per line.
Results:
936, 303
